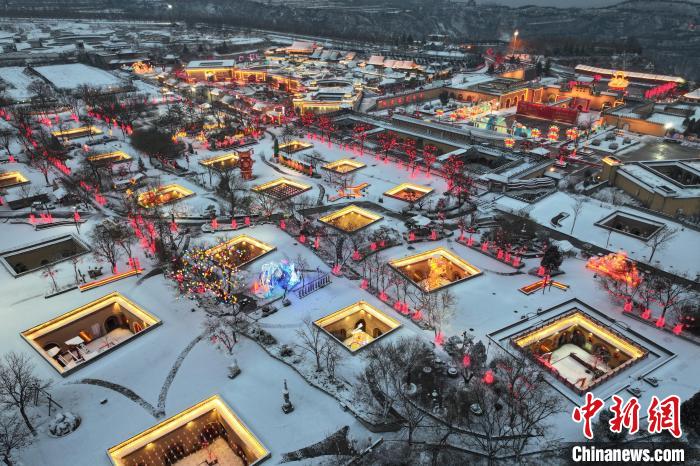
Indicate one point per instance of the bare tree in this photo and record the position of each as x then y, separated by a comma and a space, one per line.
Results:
532, 400
223, 330
14, 436
331, 356
384, 384
311, 340
19, 384
437, 308
50, 272
660, 240
576, 209
6, 136
104, 243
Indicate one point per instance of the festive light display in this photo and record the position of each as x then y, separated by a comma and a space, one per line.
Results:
536, 133
509, 143
163, 195
553, 133
275, 276
141, 68
618, 81
538, 285
617, 266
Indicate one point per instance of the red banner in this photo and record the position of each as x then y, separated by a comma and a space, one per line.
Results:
564, 115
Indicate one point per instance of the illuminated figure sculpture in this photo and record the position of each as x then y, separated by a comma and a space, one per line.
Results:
274, 275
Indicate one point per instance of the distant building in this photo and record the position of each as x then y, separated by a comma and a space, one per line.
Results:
632, 76
648, 118
671, 187
504, 92
328, 95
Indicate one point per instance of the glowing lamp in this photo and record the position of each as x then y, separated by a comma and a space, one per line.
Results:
466, 361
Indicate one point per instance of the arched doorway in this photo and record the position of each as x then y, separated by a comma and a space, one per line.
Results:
507, 103
361, 324
137, 327
112, 323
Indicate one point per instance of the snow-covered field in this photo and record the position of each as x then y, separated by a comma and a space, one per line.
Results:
17, 81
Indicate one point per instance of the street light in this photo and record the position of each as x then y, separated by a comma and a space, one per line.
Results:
515, 40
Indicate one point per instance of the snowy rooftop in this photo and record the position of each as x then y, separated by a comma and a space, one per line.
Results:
74, 75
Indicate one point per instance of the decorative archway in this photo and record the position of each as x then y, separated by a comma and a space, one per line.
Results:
111, 323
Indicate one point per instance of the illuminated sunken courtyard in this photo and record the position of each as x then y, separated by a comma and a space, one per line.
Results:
10, 179
28, 258
434, 269
108, 158
580, 350
408, 192
350, 219
344, 166
208, 433
238, 251
83, 334
221, 162
295, 146
282, 188
75, 133
163, 195
357, 325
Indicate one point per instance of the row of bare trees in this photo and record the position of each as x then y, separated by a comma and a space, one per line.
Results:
499, 415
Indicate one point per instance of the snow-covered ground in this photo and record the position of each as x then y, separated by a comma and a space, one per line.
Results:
678, 255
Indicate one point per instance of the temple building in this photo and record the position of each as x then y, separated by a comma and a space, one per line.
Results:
238, 251
671, 187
